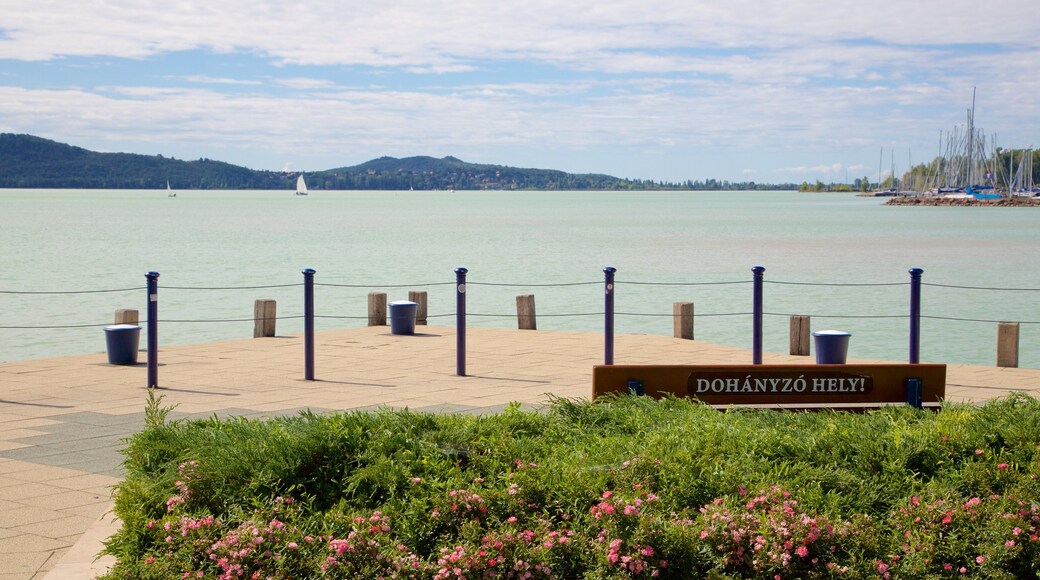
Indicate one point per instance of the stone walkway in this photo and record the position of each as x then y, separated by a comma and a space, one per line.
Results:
62, 420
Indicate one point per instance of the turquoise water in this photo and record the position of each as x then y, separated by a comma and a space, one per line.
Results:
68, 240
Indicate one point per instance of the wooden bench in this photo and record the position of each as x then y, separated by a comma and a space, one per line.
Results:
797, 387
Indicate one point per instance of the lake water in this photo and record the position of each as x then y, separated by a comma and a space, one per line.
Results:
74, 240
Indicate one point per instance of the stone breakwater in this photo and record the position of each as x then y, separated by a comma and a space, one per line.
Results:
967, 201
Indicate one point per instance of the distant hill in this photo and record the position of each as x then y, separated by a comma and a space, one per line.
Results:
33, 162
452, 173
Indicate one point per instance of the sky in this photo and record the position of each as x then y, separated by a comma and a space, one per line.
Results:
738, 90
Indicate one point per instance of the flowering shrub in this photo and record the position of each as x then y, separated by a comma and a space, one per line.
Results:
570, 493
512, 553
769, 534
998, 532
628, 528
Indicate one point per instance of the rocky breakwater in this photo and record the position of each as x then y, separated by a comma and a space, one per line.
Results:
966, 201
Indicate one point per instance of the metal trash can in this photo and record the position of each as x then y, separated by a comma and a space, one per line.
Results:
122, 341
832, 346
402, 316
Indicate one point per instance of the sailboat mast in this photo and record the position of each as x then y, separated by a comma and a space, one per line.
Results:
880, 156
971, 140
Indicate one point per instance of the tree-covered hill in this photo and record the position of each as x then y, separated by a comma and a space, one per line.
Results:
36, 163
32, 162
452, 173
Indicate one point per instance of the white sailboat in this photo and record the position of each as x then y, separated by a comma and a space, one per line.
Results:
169, 191
301, 186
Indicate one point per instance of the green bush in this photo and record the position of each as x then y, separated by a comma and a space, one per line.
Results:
623, 487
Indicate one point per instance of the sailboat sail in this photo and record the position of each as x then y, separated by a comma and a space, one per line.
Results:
301, 186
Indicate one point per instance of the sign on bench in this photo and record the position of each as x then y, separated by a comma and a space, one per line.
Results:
853, 386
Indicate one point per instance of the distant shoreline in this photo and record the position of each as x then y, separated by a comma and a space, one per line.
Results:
966, 201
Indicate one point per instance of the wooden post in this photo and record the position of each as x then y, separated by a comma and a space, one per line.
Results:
377, 309
419, 297
264, 314
126, 316
525, 315
682, 320
800, 335
1007, 344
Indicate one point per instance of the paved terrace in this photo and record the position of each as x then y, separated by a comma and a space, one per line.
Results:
61, 420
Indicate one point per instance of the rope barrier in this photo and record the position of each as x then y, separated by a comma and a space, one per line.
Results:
536, 285
878, 316
981, 288
649, 314
502, 284
225, 319
383, 285
979, 320
72, 291
849, 284
228, 287
54, 326
538, 316
632, 283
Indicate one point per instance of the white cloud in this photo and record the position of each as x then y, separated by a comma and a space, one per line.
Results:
305, 83
804, 83
208, 80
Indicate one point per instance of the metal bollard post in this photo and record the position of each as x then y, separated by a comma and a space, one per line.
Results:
915, 315
153, 329
608, 315
756, 323
308, 324
460, 321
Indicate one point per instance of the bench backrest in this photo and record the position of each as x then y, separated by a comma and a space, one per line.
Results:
853, 386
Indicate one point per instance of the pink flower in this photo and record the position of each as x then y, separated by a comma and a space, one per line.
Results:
1002, 466
979, 452
882, 567
802, 551
149, 560
292, 545
980, 559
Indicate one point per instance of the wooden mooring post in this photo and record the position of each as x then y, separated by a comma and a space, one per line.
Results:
800, 335
1007, 344
377, 308
265, 312
420, 298
682, 320
525, 313
127, 316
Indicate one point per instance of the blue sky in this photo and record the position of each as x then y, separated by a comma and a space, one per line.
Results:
663, 89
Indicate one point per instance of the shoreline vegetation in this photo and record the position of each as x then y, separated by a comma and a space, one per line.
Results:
624, 487
29, 162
